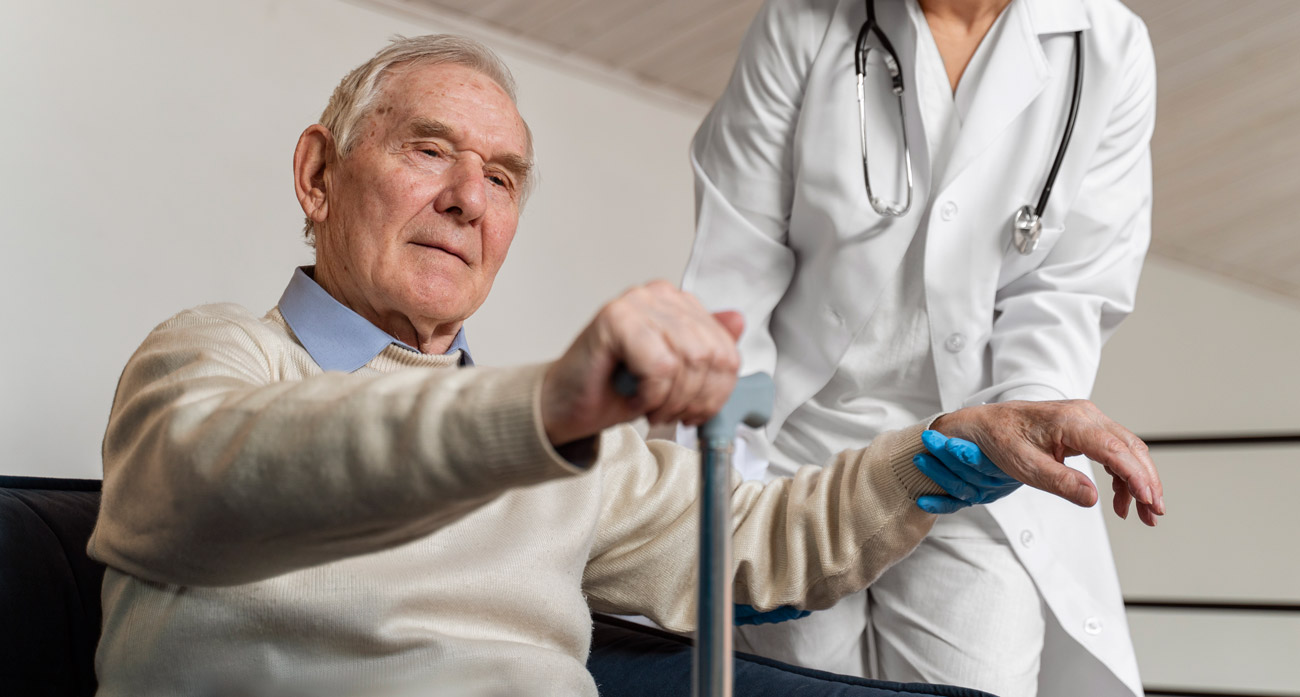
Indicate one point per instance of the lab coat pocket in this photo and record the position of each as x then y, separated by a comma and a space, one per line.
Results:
1015, 265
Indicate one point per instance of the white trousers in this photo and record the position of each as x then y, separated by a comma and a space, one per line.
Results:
960, 610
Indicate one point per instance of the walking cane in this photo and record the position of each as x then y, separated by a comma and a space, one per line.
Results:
751, 404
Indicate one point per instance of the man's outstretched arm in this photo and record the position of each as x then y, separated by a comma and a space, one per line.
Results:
827, 532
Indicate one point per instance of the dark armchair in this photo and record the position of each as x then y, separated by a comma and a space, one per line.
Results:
49, 588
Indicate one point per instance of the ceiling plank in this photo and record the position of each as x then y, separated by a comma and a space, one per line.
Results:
698, 42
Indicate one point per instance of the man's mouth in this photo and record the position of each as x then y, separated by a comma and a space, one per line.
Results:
441, 248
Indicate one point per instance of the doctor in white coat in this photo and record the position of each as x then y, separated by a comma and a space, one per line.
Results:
869, 321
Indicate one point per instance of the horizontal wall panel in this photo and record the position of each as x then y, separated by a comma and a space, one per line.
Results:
1229, 531
1242, 652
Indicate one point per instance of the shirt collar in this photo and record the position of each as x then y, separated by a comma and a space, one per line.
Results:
336, 337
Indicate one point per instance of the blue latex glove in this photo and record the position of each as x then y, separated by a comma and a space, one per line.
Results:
746, 614
960, 469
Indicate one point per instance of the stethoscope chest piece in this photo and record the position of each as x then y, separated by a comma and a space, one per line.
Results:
1026, 230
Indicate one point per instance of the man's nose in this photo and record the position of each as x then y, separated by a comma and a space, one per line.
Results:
465, 193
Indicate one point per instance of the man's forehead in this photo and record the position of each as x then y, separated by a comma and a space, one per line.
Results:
452, 102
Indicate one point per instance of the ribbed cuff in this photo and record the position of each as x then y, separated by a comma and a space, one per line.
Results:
907, 444
501, 429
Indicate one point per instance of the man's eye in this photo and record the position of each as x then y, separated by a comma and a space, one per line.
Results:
431, 152
498, 180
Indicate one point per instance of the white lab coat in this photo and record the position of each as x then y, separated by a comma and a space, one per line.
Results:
786, 235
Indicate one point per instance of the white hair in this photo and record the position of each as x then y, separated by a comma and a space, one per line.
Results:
357, 93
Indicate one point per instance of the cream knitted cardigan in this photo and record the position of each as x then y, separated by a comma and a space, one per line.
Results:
271, 529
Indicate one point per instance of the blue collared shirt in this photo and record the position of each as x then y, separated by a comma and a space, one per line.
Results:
336, 337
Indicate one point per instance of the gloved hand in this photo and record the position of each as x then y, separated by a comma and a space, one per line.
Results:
746, 614
963, 471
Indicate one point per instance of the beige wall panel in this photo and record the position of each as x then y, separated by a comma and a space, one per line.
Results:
1230, 652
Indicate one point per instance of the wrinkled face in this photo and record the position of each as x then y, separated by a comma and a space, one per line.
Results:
422, 211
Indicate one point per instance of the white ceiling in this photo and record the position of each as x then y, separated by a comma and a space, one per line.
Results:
685, 45
1227, 139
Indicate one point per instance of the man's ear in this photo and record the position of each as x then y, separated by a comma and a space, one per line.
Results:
313, 154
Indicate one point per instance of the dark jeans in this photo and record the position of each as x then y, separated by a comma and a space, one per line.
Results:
630, 660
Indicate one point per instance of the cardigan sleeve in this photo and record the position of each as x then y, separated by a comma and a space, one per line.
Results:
804, 541
219, 469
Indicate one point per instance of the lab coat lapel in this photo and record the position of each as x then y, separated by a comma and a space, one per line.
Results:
1016, 74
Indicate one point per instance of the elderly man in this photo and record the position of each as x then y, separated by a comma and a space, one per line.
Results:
319, 502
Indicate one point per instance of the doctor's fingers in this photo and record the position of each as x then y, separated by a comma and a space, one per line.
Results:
962, 468
949, 481
965, 460
940, 505
972, 455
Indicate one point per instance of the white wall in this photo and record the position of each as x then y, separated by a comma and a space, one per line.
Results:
145, 151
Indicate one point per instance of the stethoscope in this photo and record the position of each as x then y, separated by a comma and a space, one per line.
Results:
1027, 224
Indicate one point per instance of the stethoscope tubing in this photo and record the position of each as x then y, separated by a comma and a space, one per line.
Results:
1069, 125
871, 26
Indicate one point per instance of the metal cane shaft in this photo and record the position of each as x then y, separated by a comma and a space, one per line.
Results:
712, 664
750, 404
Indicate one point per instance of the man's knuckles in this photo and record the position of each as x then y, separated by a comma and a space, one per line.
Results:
697, 355
1114, 446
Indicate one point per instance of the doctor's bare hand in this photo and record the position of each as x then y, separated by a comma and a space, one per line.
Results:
1030, 441
685, 360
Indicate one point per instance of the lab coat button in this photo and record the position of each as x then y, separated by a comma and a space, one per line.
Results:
948, 211
1092, 625
955, 343
1027, 538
